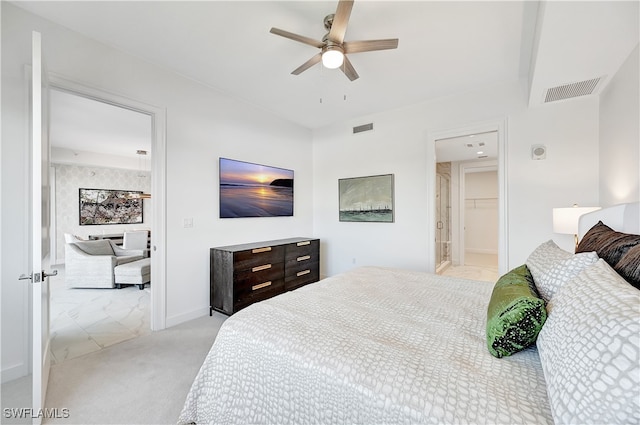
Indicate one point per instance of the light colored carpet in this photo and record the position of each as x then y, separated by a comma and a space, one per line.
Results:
144, 380
16, 394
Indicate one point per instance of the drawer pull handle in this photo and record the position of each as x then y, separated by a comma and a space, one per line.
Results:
263, 267
260, 286
304, 243
302, 273
306, 257
259, 250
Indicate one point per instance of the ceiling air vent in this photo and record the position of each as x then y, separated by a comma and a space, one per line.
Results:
567, 91
361, 128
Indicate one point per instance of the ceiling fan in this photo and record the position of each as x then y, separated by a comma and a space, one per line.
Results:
333, 49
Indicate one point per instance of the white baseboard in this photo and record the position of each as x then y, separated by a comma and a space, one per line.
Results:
185, 317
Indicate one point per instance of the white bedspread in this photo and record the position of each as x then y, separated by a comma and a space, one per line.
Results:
370, 346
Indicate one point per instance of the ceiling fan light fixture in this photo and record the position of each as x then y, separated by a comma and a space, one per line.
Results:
333, 47
332, 58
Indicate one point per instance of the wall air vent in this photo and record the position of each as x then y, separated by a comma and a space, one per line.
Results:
567, 91
364, 127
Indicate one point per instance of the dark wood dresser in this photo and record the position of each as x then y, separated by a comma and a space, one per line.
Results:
244, 274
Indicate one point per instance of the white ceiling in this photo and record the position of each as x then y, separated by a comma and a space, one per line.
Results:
80, 124
445, 47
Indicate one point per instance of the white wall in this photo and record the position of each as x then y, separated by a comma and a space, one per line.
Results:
398, 145
201, 125
481, 212
620, 136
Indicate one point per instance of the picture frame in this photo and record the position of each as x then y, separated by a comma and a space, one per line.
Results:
109, 206
254, 190
367, 199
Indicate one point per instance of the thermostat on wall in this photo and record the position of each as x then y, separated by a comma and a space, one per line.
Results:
538, 152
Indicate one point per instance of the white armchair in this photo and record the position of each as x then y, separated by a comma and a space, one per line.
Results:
90, 264
137, 239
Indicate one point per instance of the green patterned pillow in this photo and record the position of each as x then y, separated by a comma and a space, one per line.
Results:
515, 314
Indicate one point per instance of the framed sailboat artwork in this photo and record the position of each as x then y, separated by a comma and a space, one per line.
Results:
366, 199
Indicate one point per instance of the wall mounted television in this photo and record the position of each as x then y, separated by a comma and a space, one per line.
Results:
106, 206
254, 190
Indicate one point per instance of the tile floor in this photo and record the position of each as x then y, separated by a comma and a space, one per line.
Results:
478, 267
87, 320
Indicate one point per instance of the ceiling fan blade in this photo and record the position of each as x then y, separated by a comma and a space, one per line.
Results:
308, 64
296, 37
370, 45
349, 70
340, 21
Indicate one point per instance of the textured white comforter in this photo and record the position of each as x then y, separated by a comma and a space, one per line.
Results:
370, 346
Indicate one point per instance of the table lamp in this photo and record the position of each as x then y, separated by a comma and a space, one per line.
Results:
565, 220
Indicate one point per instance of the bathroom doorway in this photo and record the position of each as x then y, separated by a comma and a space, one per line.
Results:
466, 206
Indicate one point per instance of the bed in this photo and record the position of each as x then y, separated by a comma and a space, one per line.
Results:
387, 346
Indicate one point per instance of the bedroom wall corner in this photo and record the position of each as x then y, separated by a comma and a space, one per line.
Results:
620, 135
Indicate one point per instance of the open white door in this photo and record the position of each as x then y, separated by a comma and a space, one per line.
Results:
40, 227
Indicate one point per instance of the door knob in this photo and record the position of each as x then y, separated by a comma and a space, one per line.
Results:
37, 276
53, 273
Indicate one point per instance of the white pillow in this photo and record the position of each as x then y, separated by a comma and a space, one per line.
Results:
551, 267
560, 273
545, 256
590, 349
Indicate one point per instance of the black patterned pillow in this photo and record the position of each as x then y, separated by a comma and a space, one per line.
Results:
629, 266
610, 245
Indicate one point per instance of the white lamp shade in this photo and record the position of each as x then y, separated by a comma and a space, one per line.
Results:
332, 59
565, 220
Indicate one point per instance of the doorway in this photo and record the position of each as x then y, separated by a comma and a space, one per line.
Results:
94, 147
131, 169
479, 221
468, 225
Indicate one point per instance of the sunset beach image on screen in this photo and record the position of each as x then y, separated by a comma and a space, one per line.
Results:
254, 190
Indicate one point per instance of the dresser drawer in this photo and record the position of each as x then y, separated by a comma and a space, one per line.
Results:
248, 295
298, 263
301, 249
303, 276
243, 260
259, 274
